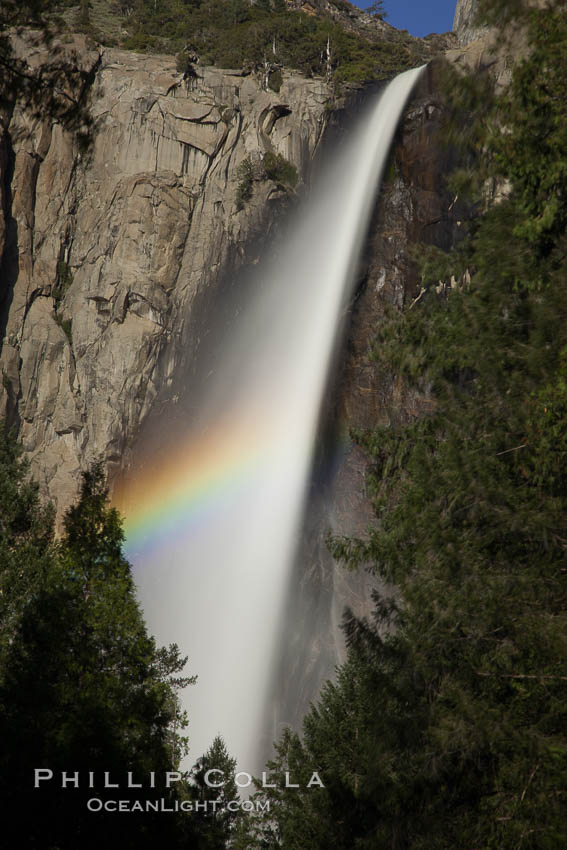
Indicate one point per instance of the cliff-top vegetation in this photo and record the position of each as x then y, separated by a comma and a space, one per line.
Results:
320, 39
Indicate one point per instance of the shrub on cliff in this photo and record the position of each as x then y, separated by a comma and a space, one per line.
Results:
279, 169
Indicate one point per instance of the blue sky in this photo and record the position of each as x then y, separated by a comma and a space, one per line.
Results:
420, 17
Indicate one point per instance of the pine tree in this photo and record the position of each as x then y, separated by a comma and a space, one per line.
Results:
216, 824
84, 689
376, 9
26, 535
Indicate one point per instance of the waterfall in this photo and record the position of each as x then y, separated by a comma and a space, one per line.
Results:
212, 536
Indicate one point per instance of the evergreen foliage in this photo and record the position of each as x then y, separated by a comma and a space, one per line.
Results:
245, 187
241, 34
82, 685
26, 535
279, 169
377, 9
447, 726
216, 824
274, 167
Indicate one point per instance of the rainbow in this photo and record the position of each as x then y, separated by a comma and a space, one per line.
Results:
192, 487
200, 480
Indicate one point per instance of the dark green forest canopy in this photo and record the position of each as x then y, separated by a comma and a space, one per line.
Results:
84, 690
238, 34
447, 726
83, 686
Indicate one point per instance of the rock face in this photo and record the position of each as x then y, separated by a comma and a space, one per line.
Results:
468, 29
105, 251
465, 25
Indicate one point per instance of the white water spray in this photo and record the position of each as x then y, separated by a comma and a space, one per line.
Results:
219, 592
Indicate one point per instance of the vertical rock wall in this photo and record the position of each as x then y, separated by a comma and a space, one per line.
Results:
106, 250
465, 24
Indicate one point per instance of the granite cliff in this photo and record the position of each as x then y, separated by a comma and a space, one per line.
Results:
104, 251
465, 25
